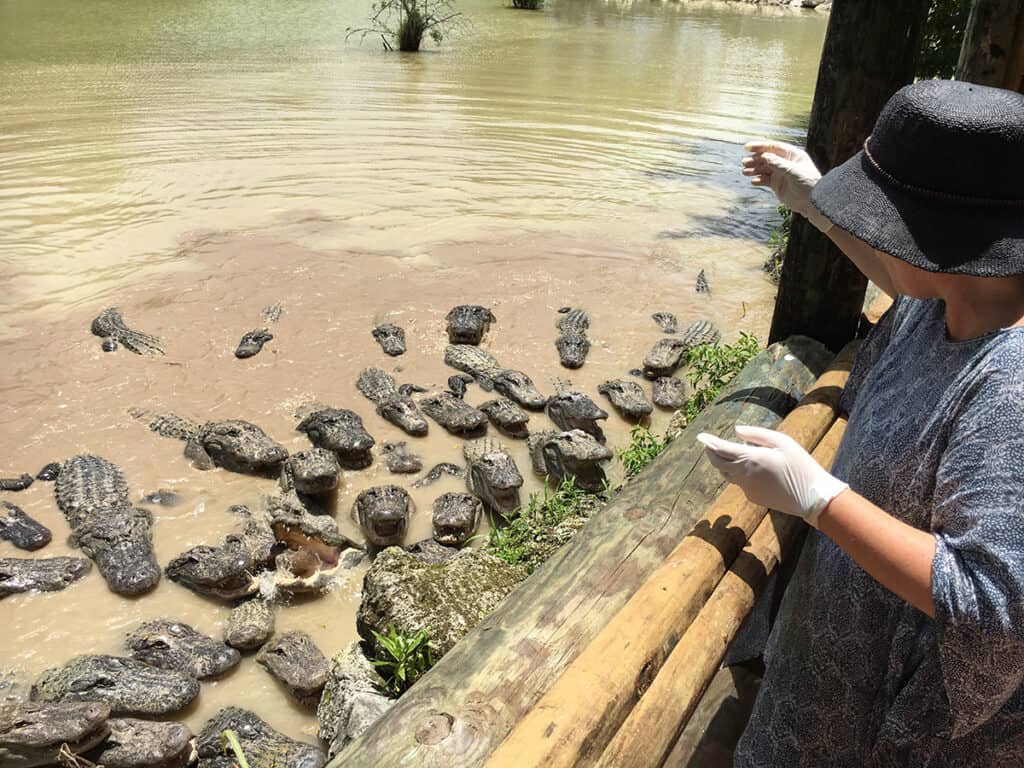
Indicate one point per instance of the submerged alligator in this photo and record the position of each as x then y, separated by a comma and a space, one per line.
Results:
294, 661
252, 343
341, 432
46, 574
668, 354
109, 326
35, 733
19, 483
572, 343
235, 445
467, 323
128, 686
444, 468
174, 645
380, 388
391, 339
628, 398
508, 417
93, 495
399, 460
574, 410
454, 414
492, 476
702, 283
250, 624
490, 375
669, 392
456, 517
21, 530
666, 321
570, 454
383, 513
312, 472
263, 746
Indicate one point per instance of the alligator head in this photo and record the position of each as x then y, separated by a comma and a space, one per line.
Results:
383, 513
391, 339
456, 516
313, 472
294, 660
226, 571
574, 410
627, 397
48, 574
262, 745
135, 743
173, 645
495, 478
517, 386
572, 349
340, 431
401, 411
467, 324
33, 733
576, 454
235, 445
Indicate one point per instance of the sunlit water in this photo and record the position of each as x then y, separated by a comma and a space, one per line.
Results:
192, 161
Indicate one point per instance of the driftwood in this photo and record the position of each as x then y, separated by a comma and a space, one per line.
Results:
647, 735
565, 729
466, 705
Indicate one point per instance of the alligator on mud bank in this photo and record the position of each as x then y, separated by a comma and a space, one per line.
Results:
668, 354
93, 495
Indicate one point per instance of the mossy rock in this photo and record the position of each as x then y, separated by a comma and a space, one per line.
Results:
447, 600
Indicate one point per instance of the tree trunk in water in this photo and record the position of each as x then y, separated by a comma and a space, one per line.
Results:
993, 49
871, 49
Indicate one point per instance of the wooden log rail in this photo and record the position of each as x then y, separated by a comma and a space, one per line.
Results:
567, 727
461, 710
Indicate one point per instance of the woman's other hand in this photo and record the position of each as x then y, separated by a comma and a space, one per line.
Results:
789, 172
774, 471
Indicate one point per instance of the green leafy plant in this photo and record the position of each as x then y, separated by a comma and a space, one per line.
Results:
778, 239
547, 521
228, 739
406, 657
643, 447
712, 366
403, 23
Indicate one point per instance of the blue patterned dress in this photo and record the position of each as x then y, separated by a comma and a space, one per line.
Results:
856, 676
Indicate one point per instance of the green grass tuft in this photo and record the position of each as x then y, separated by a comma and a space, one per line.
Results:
405, 659
778, 239
712, 366
643, 447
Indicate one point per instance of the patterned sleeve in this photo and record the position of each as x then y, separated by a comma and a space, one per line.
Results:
978, 570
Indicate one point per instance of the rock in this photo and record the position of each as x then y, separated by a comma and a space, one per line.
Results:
352, 700
448, 599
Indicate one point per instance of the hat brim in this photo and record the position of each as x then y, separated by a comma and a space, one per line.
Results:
933, 234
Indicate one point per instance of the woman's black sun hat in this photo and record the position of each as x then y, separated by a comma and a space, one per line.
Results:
939, 182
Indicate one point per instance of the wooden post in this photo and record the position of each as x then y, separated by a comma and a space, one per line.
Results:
567, 730
462, 708
871, 49
993, 49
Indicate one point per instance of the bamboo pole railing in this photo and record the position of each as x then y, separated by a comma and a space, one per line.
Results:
566, 727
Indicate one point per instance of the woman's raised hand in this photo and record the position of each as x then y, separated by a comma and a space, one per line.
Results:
789, 172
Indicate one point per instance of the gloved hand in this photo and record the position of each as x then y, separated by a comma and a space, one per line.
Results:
774, 472
789, 172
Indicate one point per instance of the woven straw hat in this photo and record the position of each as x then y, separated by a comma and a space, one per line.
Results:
939, 182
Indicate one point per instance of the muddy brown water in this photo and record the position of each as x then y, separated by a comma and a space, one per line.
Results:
195, 162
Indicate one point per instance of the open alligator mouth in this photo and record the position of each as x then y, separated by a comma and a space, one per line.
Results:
450, 535
504, 499
389, 530
294, 538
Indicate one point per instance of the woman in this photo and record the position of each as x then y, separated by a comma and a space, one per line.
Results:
900, 640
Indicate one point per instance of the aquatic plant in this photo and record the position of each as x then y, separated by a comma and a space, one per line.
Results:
536, 530
643, 447
778, 239
406, 658
403, 23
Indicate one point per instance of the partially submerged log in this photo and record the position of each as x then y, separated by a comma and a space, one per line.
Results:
565, 729
466, 705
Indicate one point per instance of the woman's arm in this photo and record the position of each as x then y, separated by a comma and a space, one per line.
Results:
864, 257
898, 555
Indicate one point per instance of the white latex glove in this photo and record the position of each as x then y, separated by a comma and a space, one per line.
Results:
774, 471
789, 172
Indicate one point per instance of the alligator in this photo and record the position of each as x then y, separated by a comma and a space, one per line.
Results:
408, 390
454, 414
21, 530
467, 324
48, 574
262, 745
457, 384
93, 495
456, 516
162, 498
130, 687
668, 354
437, 470
294, 527
229, 570
272, 313
312, 472
399, 460
508, 417
666, 321
702, 283
574, 410
252, 343
145, 744
628, 397
383, 513
19, 483
380, 388
172, 645
109, 325
49, 472
294, 661
340, 431
250, 624
493, 476
391, 339
669, 392
235, 445
573, 453
33, 733
572, 343
489, 374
